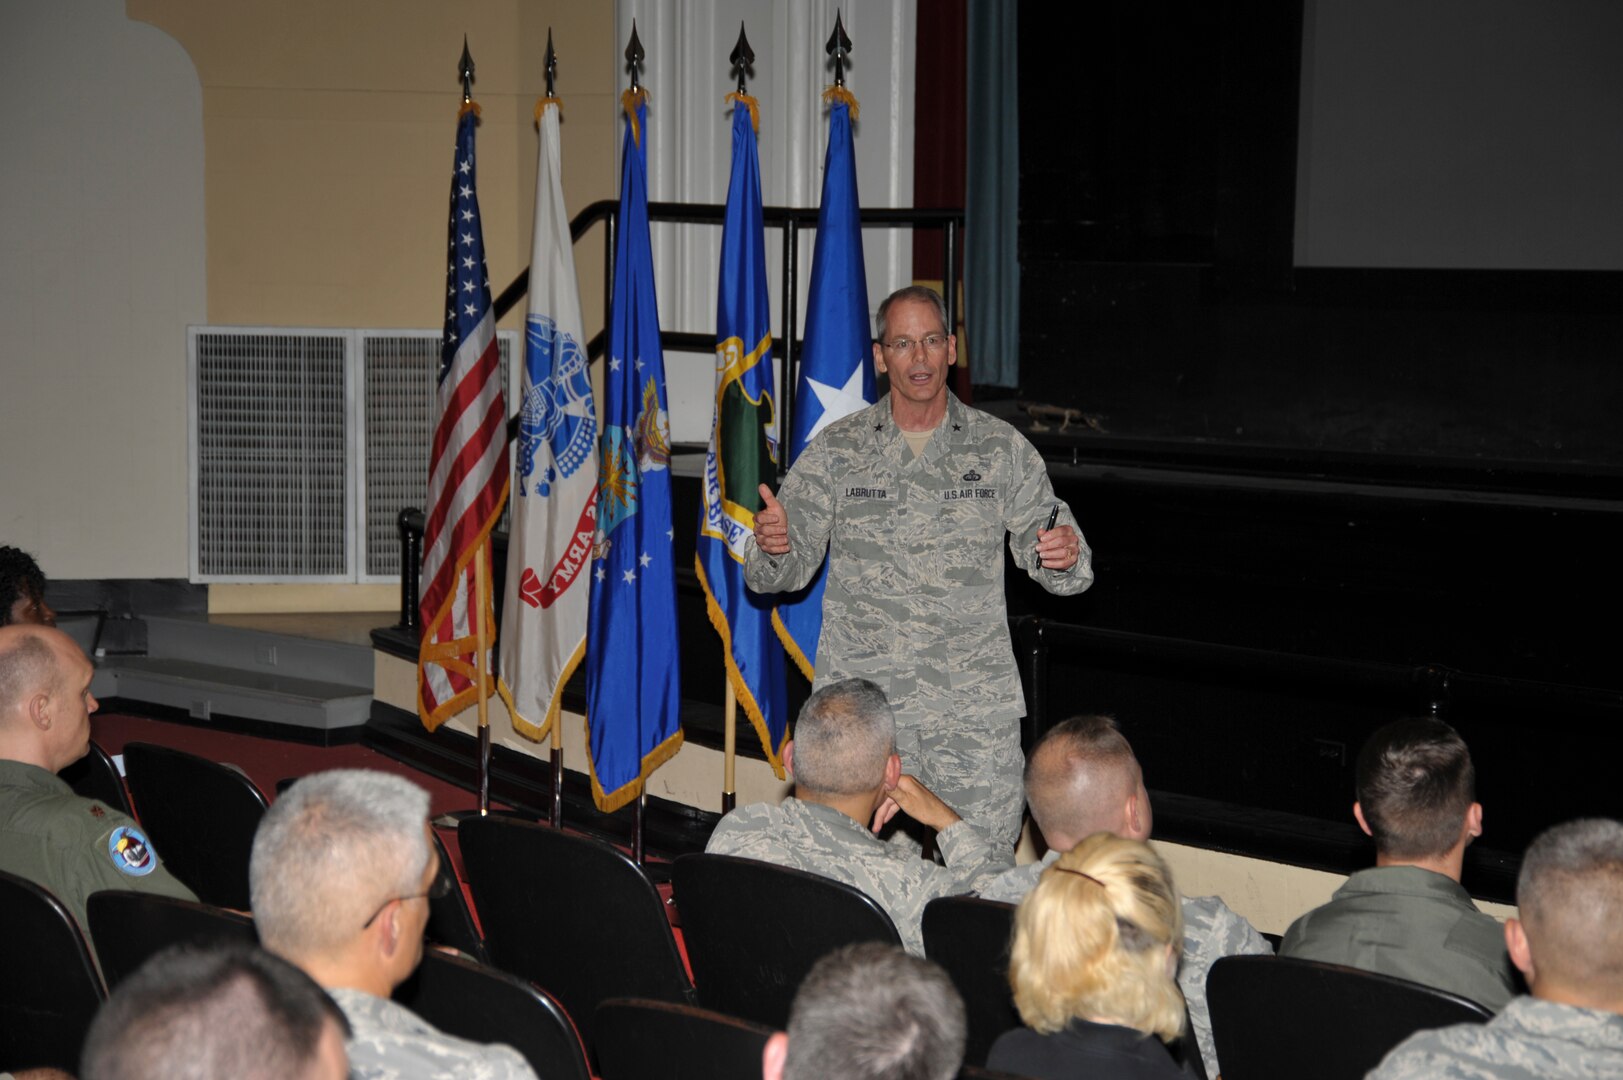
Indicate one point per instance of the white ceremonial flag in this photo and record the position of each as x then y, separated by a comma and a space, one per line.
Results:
554, 501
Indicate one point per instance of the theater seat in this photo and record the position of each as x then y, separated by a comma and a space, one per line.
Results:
1282, 1016
129, 927
571, 914
638, 1038
201, 817
94, 776
49, 989
753, 930
477, 1003
970, 938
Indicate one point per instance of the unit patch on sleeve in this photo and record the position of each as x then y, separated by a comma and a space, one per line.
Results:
130, 851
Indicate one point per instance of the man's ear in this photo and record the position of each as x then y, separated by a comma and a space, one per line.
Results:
1516, 945
952, 349
40, 711
1358, 815
878, 359
1132, 816
893, 771
389, 921
1473, 821
789, 757
775, 1054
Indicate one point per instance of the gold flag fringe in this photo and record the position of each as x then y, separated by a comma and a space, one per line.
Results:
469, 106
541, 104
843, 96
754, 107
629, 101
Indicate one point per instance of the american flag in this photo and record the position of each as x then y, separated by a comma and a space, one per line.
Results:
467, 471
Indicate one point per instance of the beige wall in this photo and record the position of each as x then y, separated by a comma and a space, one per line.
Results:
176, 162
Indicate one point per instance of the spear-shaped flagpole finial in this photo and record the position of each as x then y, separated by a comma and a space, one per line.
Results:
839, 45
551, 63
742, 56
634, 54
465, 67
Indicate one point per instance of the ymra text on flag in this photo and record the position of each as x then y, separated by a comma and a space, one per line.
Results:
836, 366
633, 689
555, 506
467, 479
743, 451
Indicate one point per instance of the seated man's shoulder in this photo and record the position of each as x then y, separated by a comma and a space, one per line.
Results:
1224, 930
745, 825
1530, 1040
388, 1041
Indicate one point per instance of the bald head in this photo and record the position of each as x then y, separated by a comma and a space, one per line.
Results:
1570, 900
45, 701
1082, 778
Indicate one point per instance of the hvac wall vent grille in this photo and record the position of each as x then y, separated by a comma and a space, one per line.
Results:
306, 445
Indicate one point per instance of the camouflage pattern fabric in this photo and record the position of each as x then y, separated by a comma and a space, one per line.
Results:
390, 1042
1211, 931
915, 597
821, 840
1413, 924
1530, 1039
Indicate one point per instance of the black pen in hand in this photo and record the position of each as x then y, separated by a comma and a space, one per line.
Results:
1053, 516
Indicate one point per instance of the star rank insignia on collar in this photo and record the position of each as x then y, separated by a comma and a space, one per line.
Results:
957, 427
96, 811
879, 427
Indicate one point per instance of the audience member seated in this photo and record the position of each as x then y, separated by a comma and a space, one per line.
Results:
848, 784
870, 1012
68, 844
1409, 917
1568, 943
1092, 966
1083, 778
22, 590
232, 1011
341, 876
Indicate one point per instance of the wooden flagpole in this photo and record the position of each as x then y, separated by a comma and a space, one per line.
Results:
481, 597
729, 796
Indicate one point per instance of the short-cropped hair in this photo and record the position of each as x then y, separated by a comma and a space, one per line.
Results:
1415, 785
1077, 775
872, 1012
1092, 939
28, 666
329, 851
194, 1013
921, 293
844, 735
1570, 900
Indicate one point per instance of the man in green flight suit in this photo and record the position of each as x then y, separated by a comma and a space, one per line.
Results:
68, 844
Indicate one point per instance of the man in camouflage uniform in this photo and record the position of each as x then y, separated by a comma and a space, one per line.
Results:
70, 845
1083, 778
1568, 942
848, 783
911, 499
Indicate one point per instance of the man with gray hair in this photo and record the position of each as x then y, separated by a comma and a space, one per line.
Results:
341, 877
1568, 942
870, 1012
1083, 778
848, 784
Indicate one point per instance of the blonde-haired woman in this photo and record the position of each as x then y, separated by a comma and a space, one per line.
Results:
1093, 968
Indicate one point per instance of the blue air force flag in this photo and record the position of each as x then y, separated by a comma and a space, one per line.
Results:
633, 695
743, 451
555, 472
836, 365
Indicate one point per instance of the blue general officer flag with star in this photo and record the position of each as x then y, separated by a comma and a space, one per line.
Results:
633, 695
836, 367
743, 451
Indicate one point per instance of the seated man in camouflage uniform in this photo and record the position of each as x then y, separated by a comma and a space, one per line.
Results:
848, 784
1083, 778
1568, 942
341, 877
1408, 916
70, 845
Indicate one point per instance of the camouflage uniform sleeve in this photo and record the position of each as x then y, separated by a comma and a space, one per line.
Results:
1034, 499
1422, 1057
1211, 931
1011, 886
807, 495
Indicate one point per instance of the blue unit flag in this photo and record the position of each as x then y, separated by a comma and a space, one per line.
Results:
633, 694
743, 451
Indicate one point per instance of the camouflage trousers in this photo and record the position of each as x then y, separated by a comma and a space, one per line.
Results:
974, 767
